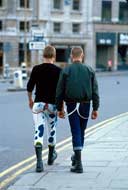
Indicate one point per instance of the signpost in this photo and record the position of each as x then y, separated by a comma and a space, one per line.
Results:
38, 42
36, 45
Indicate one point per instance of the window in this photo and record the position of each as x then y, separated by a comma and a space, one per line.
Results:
123, 12
24, 3
57, 27
106, 10
22, 26
1, 25
75, 27
76, 5
1, 3
57, 4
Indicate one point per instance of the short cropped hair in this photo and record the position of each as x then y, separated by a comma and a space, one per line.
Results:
49, 52
76, 52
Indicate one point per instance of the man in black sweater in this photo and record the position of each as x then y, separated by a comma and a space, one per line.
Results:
44, 78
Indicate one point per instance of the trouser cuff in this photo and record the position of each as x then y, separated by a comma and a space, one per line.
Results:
77, 148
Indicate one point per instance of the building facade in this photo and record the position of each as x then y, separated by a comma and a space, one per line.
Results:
67, 23
15, 22
99, 26
64, 24
110, 27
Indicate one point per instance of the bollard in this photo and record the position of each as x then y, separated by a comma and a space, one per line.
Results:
24, 70
18, 81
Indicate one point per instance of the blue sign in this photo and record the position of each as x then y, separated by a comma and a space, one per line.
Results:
105, 38
67, 2
38, 38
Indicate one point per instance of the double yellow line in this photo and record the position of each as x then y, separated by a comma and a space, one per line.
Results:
28, 163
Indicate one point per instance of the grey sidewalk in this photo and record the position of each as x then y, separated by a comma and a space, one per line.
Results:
105, 160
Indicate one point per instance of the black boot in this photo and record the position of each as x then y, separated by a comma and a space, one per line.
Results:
52, 155
73, 160
39, 165
77, 168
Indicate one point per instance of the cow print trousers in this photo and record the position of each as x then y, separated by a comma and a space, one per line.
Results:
45, 120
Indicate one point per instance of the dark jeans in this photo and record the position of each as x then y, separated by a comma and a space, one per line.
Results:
78, 124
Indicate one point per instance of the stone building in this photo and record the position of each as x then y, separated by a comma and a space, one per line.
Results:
99, 26
67, 23
110, 28
64, 23
15, 20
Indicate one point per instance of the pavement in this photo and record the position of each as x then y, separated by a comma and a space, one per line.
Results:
105, 162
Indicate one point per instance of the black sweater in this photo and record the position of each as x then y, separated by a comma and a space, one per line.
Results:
44, 78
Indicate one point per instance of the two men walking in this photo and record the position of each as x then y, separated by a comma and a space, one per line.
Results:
76, 85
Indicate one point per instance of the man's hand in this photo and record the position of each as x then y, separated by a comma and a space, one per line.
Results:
31, 102
30, 99
61, 114
94, 114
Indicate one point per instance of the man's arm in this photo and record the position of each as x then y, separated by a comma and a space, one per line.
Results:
30, 99
94, 114
60, 95
60, 92
30, 87
95, 97
61, 114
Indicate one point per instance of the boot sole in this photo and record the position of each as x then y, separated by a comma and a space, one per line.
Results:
78, 171
39, 170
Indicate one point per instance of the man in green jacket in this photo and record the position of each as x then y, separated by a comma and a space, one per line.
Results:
78, 87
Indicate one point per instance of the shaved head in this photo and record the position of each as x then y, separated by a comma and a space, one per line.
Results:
76, 52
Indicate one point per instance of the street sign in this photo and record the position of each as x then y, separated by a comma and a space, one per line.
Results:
38, 38
123, 39
37, 33
36, 45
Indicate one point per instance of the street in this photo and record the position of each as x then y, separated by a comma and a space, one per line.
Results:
16, 124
